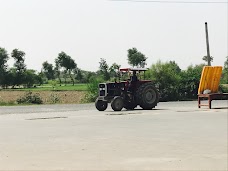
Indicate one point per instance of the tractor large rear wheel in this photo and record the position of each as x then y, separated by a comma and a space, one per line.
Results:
101, 105
147, 96
117, 103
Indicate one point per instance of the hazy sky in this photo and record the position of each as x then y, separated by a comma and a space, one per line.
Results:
88, 30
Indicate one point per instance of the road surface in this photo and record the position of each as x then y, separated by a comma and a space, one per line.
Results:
174, 136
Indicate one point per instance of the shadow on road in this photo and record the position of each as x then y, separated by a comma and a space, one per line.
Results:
220, 108
131, 112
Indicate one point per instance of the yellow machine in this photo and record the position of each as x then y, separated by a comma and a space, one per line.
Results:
210, 79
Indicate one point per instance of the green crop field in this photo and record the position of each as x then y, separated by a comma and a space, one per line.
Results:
48, 87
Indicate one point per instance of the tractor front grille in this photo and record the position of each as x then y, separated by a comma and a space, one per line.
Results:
102, 93
102, 89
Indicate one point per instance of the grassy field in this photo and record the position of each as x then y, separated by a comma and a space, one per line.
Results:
48, 97
48, 87
65, 94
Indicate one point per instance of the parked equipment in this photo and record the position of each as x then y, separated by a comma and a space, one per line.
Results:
128, 94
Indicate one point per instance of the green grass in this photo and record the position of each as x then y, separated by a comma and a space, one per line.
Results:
48, 87
8, 103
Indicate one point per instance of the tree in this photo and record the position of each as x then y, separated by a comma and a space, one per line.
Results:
226, 63
78, 73
190, 80
57, 70
166, 76
31, 78
103, 69
87, 75
114, 70
224, 79
3, 66
40, 78
11, 76
19, 57
48, 70
136, 58
67, 63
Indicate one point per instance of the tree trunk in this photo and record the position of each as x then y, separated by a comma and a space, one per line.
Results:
58, 75
71, 77
60, 82
65, 76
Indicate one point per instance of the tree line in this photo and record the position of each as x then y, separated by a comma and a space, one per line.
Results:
64, 70
172, 82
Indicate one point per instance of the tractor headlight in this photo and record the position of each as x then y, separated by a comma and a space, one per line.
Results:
101, 85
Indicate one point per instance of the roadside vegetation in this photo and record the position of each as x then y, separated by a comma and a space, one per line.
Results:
64, 75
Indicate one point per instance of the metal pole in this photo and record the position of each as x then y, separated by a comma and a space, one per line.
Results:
208, 48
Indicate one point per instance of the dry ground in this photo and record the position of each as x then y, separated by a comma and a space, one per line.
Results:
48, 97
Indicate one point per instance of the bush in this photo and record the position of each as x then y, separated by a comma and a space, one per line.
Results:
30, 98
224, 88
92, 92
54, 98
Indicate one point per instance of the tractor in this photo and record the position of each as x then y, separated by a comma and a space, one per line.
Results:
128, 94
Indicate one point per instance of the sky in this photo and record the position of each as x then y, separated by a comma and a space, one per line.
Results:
88, 30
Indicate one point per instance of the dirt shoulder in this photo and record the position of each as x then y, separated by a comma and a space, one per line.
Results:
48, 97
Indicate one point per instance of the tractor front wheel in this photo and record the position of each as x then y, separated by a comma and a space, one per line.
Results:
147, 96
101, 105
117, 103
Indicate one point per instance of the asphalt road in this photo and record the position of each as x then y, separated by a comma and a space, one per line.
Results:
174, 136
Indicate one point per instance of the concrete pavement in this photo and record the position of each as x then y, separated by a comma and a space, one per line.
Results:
174, 136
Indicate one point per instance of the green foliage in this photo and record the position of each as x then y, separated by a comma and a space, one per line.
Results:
92, 88
223, 88
136, 58
30, 98
49, 87
53, 83
65, 61
10, 103
86, 76
3, 59
103, 69
190, 80
40, 78
78, 74
114, 71
48, 70
167, 78
31, 78
174, 84
20, 67
54, 98
224, 79
57, 70
19, 57
11, 76
3, 66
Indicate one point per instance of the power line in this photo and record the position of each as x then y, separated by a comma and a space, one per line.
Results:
180, 2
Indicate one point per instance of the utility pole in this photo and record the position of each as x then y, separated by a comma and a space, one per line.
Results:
208, 48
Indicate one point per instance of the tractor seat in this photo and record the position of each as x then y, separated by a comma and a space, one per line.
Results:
134, 78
